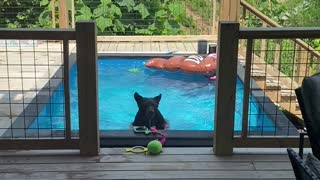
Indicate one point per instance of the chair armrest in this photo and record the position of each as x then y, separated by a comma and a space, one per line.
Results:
295, 120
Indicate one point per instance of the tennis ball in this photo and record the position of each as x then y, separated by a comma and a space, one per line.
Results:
154, 147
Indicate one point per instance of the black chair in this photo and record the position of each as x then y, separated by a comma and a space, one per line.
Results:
301, 170
308, 96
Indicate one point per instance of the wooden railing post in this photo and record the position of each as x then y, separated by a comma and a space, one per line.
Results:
214, 14
277, 54
302, 64
226, 87
263, 48
63, 14
72, 15
53, 13
86, 37
229, 10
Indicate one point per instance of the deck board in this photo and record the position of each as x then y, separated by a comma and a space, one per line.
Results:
190, 47
152, 175
115, 163
164, 47
138, 47
181, 47
113, 47
130, 46
155, 47
122, 47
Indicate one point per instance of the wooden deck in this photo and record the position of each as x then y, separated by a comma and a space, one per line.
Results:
148, 47
173, 163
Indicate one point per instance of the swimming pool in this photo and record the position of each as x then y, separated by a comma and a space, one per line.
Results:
187, 99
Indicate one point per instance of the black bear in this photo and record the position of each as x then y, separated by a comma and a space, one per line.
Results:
148, 114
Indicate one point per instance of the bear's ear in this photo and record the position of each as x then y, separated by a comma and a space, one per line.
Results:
157, 98
137, 97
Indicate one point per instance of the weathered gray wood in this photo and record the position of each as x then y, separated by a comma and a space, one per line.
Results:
138, 47
160, 38
141, 158
189, 47
146, 47
226, 87
130, 47
172, 46
88, 87
39, 144
37, 34
183, 163
153, 175
277, 166
163, 46
166, 151
113, 46
105, 46
180, 46
246, 89
155, 46
155, 166
268, 142
121, 47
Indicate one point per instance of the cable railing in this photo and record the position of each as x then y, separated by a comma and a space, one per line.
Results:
34, 65
278, 54
263, 83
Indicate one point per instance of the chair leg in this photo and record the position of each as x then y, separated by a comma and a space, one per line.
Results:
301, 145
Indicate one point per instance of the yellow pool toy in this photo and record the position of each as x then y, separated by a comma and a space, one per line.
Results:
137, 149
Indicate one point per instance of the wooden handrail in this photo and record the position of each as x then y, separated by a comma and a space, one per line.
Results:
272, 23
259, 14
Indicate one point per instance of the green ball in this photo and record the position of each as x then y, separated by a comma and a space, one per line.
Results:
154, 147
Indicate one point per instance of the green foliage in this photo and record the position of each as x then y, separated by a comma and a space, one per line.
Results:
44, 18
159, 18
304, 13
316, 44
123, 17
203, 8
19, 14
288, 13
152, 17
274, 9
142, 10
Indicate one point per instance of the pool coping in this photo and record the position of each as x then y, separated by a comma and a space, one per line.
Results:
111, 138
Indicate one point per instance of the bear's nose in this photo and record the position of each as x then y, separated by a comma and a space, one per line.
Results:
150, 112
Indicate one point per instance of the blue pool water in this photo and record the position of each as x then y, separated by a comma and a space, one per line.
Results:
187, 99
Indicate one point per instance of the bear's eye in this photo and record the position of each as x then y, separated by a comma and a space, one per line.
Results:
149, 105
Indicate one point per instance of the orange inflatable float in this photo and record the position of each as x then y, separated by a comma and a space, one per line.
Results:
191, 64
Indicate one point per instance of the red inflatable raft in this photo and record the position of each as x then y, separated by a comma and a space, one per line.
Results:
191, 64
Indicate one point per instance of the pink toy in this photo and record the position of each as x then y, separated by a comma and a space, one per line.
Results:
163, 137
213, 78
